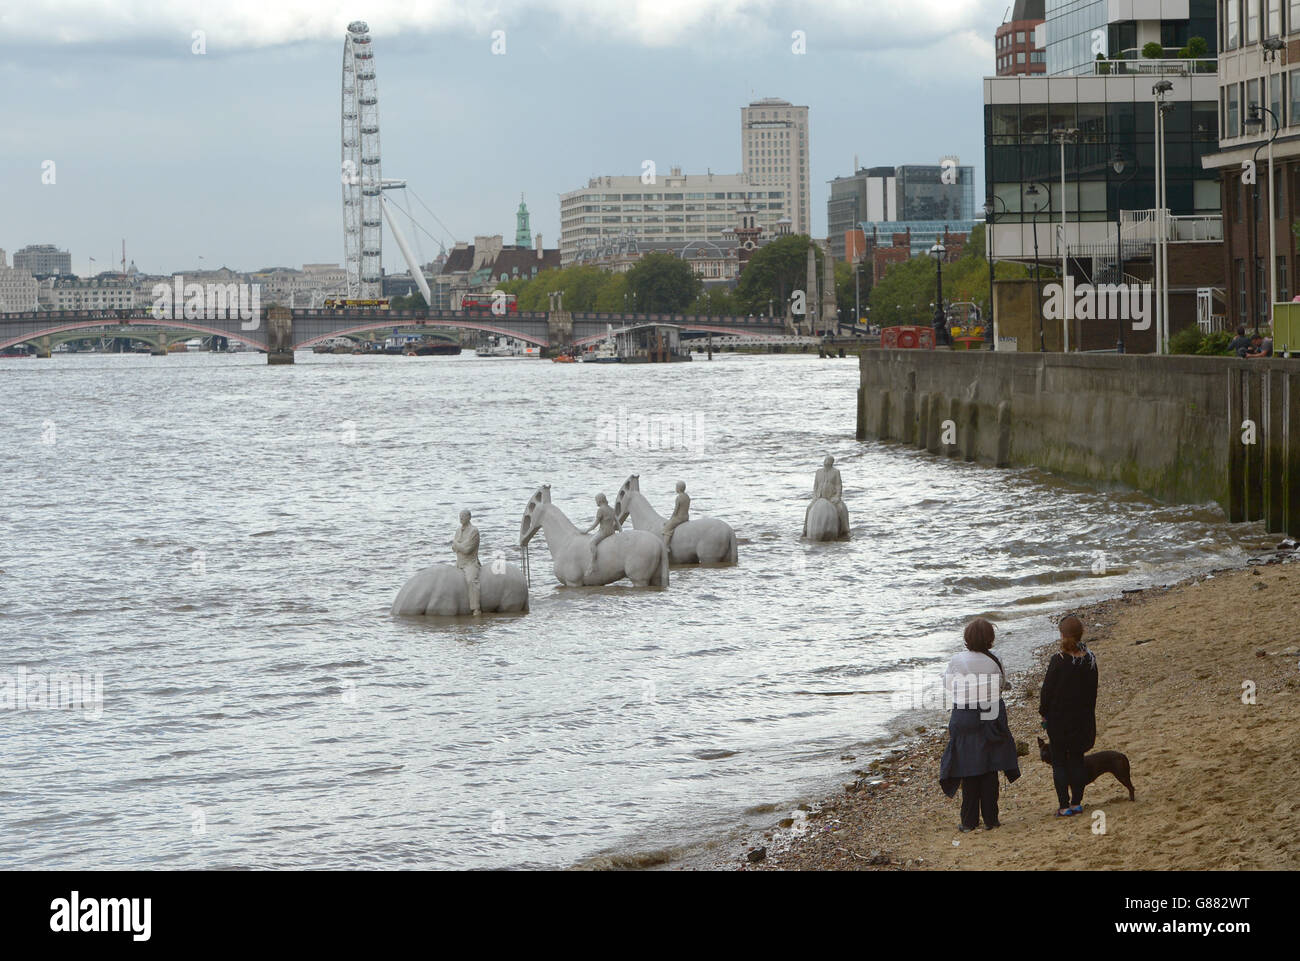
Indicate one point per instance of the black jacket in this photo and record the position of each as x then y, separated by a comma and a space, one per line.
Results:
1068, 700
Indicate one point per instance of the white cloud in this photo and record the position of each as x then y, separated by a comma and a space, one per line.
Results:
242, 24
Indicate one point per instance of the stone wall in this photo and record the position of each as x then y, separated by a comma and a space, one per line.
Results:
1169, 426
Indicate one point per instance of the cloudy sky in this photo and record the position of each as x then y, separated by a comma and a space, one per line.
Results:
232, 155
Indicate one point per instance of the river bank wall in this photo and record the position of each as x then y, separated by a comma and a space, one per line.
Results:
1182, 429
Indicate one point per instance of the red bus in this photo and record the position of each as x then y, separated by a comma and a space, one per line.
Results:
505, 303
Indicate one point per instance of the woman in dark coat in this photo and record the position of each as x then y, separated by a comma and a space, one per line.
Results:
1068, 704
979, 741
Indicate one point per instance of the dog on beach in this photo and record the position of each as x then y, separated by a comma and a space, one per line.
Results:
1096, 764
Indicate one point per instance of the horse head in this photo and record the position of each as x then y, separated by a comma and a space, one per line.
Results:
532, 521
621, 510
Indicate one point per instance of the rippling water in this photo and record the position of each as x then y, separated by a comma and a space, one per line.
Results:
221, 541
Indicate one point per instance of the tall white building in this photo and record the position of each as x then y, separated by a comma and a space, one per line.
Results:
18, 288
677, 209
774, 142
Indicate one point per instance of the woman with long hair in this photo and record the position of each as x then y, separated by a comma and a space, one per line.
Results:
1068, 704
979, 740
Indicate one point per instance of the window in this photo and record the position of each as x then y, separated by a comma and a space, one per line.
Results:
1273, 20
1294, 112
1020, 57
1293, 16
1275, 101
1261, 288
1232, 116
1252, 21
1283, 292
1242, 310
1232, 24
1020, 36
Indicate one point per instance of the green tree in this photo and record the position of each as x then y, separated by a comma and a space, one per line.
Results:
773, 273
662, 284
1153, 50
715, 303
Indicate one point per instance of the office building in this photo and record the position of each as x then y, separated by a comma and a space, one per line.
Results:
1258, 100
678, 209
775, 154
924, 198
1016, 42
44, 260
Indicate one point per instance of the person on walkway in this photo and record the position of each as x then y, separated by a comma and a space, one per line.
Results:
1068, 704
979, 740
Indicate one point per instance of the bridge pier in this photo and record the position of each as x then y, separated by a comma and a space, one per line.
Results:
43, 347
559, 332
161, 349
279, 335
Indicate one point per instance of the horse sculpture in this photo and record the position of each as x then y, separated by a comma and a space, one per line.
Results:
441, 590
705, 540
822, 522
637, 555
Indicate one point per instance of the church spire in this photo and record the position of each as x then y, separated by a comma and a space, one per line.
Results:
523, 232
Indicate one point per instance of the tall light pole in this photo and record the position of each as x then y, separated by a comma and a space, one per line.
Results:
1119, 164
1271, 47
1160, 90
1063, 136
1033, 191
990, 214
1255, 119
940, 320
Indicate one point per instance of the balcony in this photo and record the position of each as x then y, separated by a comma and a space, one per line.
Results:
1145, 67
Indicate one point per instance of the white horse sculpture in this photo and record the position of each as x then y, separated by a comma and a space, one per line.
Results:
637, 555
705, 540
441, 590
822, 522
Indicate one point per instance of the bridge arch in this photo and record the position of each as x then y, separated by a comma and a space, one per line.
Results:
98, 322
408, 324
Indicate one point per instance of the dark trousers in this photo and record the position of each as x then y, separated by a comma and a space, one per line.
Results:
1068, 774
979, 794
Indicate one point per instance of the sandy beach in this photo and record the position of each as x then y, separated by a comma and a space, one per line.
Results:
1214, 775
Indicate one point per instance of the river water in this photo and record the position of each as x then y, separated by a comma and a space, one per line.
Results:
219, 541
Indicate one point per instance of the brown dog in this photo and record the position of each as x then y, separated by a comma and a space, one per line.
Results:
1096, 764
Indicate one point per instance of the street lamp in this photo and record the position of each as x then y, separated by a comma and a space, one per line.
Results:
1160, 90
1255, 121
940, 324
1063, 136
1033, 191
1119, 164
990, 214
1271, 47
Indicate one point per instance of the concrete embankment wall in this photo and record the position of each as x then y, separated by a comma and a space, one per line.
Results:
1169, 426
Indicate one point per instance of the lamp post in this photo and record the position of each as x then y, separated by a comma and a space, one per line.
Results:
1255, 120
1271, 47
1033, 191
940, 325
1160, 90
990, 214
1119, 164
1063, 136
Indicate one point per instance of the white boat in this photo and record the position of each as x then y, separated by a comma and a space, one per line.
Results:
499, 345
603, 353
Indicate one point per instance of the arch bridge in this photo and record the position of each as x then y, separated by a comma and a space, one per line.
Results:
279, 331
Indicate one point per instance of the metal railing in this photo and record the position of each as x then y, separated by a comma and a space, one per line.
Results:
1129, 67
1143, 227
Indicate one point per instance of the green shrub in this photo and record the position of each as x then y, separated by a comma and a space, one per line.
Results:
1187, 341
1153, 51
1215, 344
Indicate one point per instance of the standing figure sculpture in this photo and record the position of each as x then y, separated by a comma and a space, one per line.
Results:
681, 514
607, 523
827, 518
465, 544
698, 540
467, 588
